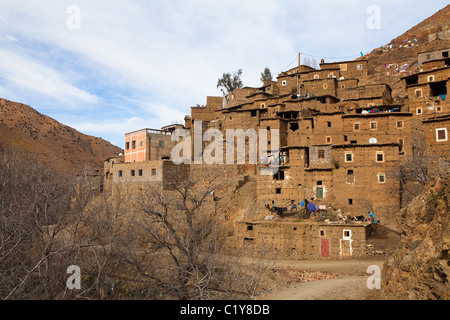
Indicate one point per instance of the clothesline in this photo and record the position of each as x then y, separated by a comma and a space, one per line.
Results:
310, 206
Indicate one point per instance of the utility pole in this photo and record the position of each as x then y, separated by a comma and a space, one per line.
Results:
299, 62
298, 75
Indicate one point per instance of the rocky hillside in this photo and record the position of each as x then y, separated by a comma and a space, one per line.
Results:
420, 268
403, 50
23, 126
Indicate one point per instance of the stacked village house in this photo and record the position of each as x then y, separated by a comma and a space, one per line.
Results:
339, 144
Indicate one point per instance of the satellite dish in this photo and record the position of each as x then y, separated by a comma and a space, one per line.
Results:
373, 141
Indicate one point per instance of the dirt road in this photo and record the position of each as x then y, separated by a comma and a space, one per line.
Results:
349, 284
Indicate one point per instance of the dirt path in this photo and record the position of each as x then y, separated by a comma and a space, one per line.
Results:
350, 285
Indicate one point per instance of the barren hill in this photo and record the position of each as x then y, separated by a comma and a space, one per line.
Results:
403, 50
35, 132
420, 268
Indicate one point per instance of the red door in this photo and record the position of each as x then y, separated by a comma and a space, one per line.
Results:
325, 248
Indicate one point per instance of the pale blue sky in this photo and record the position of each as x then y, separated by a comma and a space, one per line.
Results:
135, 63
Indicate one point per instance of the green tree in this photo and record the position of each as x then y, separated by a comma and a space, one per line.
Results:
266, 75
229, 82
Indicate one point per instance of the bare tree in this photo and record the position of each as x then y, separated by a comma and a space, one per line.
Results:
310, 62
35, 209
414, 171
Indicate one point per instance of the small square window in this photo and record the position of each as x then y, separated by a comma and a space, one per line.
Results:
350, 172
399, 124
418, 93
278, 191
321, 154
322, 233
153, 172
141, 173
133, 144
133, 173
381, 178
356, 126
127, 146
325, 86
253, 113
316, 76
430, 78
373, 125
359, 67
329, 124
329, 140
350, 201
319, 183
418, 111
380, 156
441, 135
141, 143
349, 157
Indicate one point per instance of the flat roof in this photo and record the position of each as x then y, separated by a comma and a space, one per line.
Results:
378, 114
341, 62
445, 117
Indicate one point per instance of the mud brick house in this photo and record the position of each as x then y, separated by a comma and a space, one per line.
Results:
353, 178
338, 144
427, 90
304, 240
437, 138
368, 95
348, 69
426, 56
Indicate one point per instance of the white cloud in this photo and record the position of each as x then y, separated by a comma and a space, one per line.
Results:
152, 60
27, 74
11, 38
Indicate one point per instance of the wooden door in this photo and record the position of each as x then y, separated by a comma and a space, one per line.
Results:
325, 248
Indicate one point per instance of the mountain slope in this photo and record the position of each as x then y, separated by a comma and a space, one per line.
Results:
33, 132
405, 49
420, 268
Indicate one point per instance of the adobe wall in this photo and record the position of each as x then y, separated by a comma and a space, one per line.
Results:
439, 148
388, 129
348, 69
363, 186
320, 87
152, 171
367, 92
300, 240
433, 55
160, 146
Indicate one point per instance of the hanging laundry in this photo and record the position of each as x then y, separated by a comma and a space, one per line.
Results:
311, 207
302, 204
322, 207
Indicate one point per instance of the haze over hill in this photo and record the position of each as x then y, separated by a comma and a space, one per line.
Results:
34, 132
